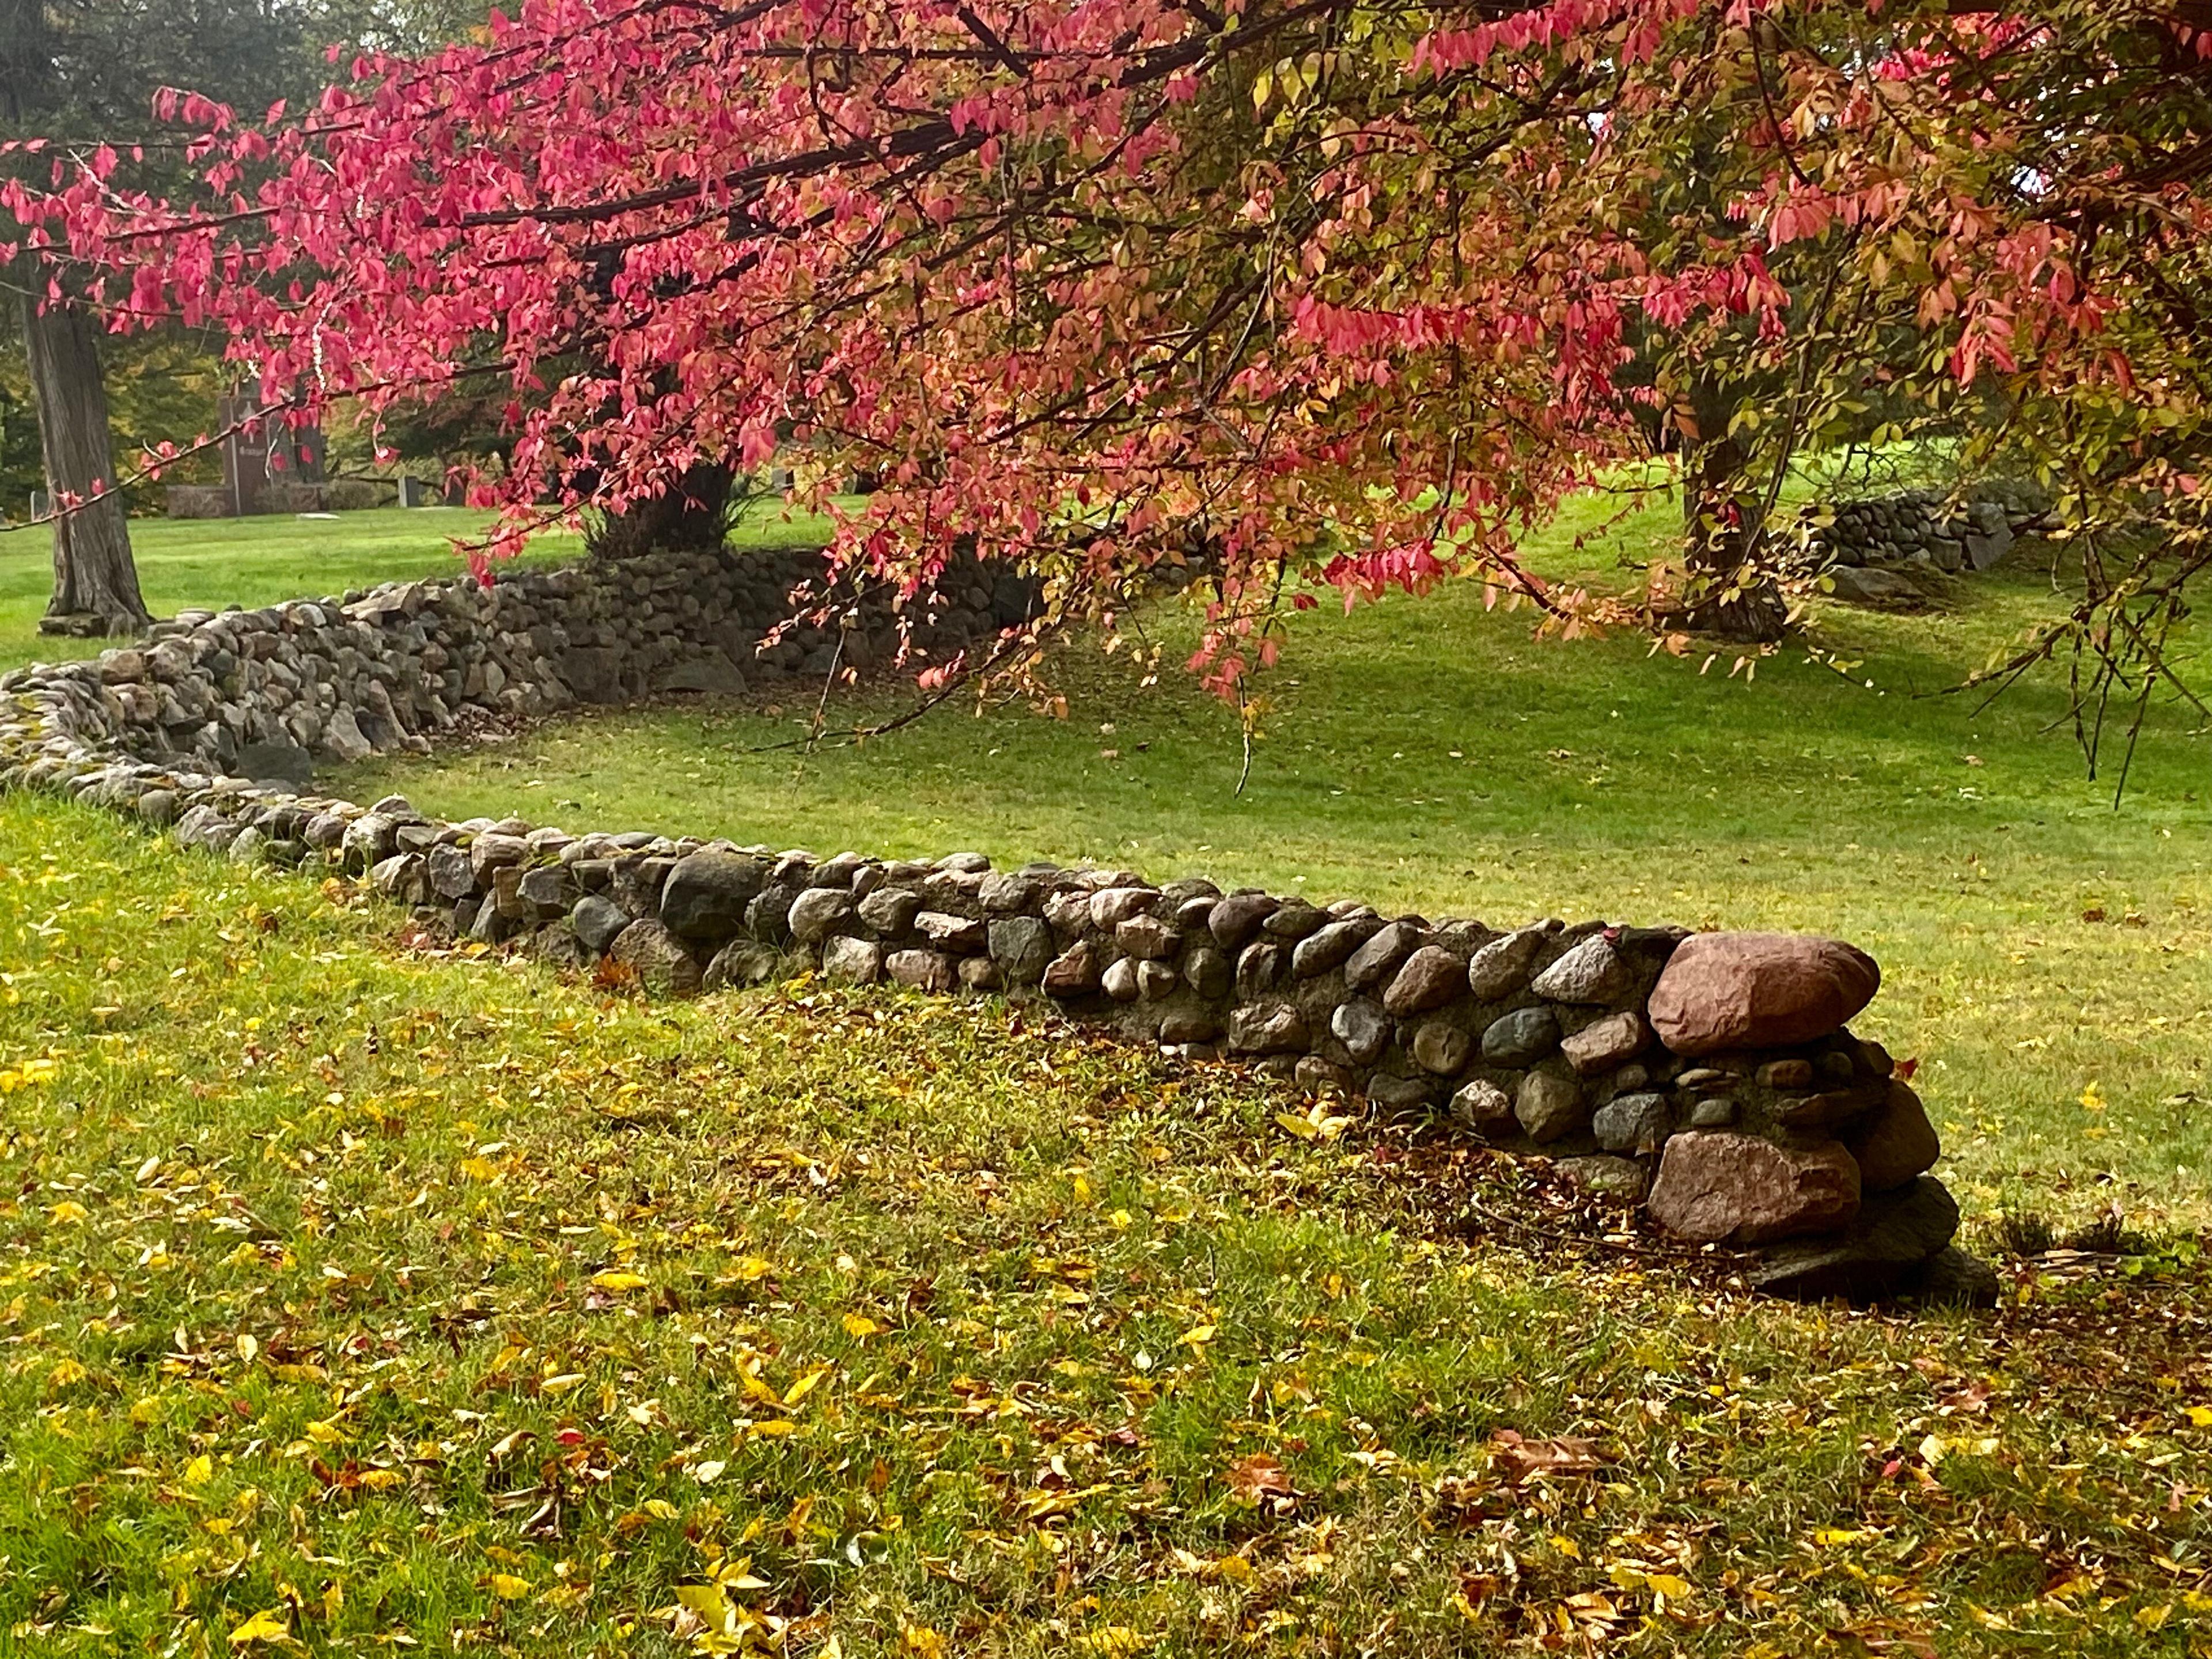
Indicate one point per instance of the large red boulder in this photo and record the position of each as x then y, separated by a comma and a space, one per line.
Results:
1722, 991
1725, 1189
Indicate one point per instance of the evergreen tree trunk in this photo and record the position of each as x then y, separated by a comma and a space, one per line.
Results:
95, 583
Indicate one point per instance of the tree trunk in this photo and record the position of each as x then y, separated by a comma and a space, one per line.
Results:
1724, 531
693, 514
95, 583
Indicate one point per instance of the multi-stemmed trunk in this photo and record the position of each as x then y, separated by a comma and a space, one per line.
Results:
95, 582
1724, 532
693, 513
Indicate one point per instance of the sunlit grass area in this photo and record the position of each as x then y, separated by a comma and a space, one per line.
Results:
2045, 952
354, 1300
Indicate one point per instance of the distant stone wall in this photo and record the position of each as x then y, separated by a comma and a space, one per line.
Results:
1873, 546
1712, 1076
266, 694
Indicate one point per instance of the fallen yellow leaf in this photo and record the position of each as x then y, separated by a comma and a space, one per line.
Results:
261, 1627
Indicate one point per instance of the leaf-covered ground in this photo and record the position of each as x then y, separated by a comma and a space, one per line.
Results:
359, 1299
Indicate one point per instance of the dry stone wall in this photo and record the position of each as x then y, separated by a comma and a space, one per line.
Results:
1712, 1076
1872, 547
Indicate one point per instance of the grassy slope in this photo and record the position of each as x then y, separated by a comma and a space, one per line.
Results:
1427, 755
392, 1302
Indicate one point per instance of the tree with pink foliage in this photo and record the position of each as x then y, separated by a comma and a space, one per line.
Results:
1303, 293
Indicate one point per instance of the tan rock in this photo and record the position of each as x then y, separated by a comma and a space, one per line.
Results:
1604, 1044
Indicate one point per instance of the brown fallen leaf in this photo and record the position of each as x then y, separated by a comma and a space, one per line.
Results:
1260, 1477
1517, 1457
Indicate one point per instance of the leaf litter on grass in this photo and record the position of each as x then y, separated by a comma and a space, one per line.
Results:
353, 1300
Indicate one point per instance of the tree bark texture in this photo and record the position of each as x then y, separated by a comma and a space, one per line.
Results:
95, 582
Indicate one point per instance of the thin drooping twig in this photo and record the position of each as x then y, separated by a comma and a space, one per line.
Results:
1008, 647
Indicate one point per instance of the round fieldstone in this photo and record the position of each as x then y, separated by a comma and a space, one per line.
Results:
1268, 1028
1633, 1123
1293, 921
1522, 1037
1590, 972
1502, 966
1549, 1106
1147, 938
952, 934
1377, 960
1442, 1047
891, 910
597, 922
1329, 947
1430, 978
664, 967
922, 970
1605, 1043
1075, 971
1235, 920
1400, 1094
1722, 991
1207, 972
1116, 905
1896, 1144
492, 851
1483, 1107
1363, 1028
1021, 946
1258, 969
1119, 980
1187, 1025
1155, 980
852, 961
814, 915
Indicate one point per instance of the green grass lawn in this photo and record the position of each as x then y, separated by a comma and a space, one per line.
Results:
359, 1301
249, 561
2046, 956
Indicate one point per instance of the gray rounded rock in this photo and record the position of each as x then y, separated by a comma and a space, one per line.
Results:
1430, 977
1483, 1107
814, 915
1207, 972
1590, 972
705, 895
1522, 1037
853, 961
1442, 1047
596, 921
1502, 966
1021, 946
742, 962
1634, 1123
1363, 1028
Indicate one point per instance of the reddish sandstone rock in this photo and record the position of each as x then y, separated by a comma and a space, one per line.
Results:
1758, 991
1722, 1188
1897, 1144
